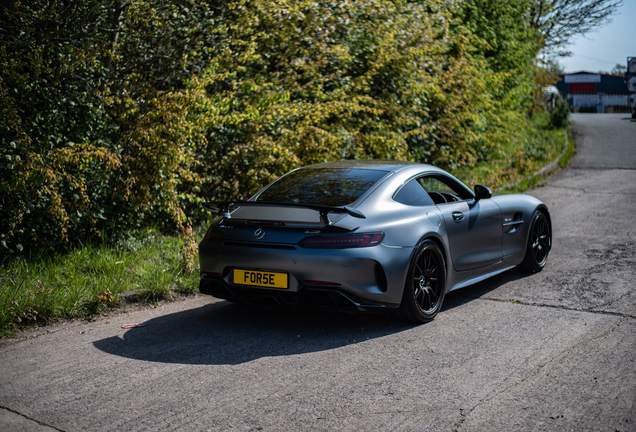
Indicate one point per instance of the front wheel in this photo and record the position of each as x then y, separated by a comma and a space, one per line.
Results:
425, 284
539, 243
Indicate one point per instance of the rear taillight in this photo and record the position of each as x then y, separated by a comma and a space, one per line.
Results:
342, 241
214, 235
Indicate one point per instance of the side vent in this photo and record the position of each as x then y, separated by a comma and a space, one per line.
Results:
513, 225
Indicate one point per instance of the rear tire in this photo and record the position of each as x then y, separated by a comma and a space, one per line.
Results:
425, 284
539, 244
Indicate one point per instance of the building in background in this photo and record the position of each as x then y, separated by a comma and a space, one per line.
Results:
594, 92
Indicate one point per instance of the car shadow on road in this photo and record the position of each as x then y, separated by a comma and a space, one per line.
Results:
229, 334
225, 333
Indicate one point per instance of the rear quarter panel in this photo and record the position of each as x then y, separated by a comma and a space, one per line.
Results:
403, 226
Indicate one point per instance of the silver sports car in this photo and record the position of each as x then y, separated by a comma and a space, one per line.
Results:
368, 236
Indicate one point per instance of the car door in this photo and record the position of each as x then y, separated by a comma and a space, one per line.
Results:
474, 227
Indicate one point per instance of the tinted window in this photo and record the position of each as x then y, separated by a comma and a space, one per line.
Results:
322, 186
413, 194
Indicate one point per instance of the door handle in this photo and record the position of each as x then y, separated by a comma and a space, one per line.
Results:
457, 216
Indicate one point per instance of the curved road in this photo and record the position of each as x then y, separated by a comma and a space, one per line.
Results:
546, 352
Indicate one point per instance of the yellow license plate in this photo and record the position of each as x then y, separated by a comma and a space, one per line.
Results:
260, 278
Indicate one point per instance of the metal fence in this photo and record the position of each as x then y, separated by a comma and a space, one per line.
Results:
599, 102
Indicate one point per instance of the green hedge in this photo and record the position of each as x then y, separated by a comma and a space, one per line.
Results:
116, 116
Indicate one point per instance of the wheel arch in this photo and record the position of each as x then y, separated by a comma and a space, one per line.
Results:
534, 260
440, 243
542, 208
410, 308
435, 237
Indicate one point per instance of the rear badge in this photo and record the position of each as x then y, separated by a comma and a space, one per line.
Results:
312, 231
259, 233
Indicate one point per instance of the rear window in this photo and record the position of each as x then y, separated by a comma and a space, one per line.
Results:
322, 186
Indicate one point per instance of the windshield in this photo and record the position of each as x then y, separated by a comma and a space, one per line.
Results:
322, 186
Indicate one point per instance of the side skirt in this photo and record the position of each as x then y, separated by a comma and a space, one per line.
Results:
479, 278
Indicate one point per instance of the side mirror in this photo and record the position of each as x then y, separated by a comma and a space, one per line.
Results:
482, 192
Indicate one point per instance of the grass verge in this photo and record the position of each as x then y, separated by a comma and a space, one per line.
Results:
92, 279
533, 181
510, 169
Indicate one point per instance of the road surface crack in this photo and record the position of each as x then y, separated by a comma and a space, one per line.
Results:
545, 305
30, 419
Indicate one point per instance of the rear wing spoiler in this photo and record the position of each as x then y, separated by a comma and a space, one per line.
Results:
225, 207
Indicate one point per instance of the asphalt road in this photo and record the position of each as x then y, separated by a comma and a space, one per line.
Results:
553, 351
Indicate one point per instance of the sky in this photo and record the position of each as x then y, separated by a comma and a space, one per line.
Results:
603, 48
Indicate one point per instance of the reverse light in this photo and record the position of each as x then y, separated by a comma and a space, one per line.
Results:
312, 282
342, 241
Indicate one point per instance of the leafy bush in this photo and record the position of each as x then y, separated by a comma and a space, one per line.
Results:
560, 114
93, 136
145, 109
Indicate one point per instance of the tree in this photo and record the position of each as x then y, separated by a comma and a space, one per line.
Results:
507, 40
559, 20
619, 69
504, 37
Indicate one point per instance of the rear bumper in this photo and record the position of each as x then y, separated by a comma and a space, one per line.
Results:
368, 276
306, 298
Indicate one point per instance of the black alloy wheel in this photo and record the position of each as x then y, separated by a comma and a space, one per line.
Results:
539, 244
425, 285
